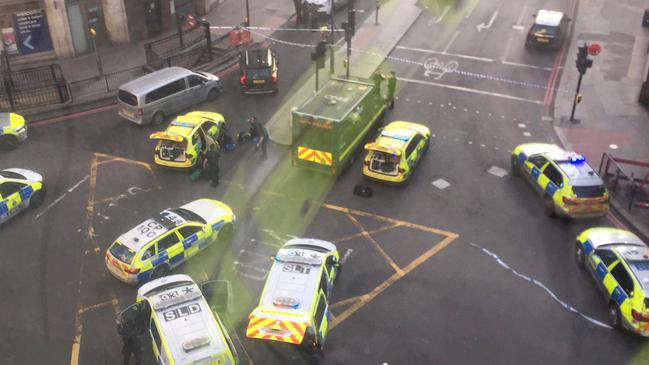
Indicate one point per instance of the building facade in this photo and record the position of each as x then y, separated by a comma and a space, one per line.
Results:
62, 28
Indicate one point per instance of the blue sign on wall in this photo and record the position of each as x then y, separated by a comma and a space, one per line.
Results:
32, 32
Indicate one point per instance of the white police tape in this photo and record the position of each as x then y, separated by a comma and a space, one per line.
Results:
338, 45
326, 30
540, 285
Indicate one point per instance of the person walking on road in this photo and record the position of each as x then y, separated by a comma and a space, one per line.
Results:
392, 86
131, 344
259, 132
211, 164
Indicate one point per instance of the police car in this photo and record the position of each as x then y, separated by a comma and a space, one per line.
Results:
294, 305
184, 142
19, 189
182, 327
567, 183
394, 155
163, 242
619, 262
549, 29
12, 130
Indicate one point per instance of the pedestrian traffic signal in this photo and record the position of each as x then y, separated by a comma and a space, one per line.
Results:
583, 62
578, 98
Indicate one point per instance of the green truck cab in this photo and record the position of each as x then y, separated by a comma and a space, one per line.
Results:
330, 128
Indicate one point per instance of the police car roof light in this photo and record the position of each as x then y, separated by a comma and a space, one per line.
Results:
400, 137
196, 342
577, 159
286, 302
315, 261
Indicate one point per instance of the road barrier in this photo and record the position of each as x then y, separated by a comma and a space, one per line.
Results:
625, 185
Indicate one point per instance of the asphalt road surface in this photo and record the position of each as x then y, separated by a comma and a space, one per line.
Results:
466, 270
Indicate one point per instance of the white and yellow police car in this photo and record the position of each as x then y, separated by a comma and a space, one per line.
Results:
294, 305
568, 184
618, 261
12, 130
19, 189
163, 242
182, 326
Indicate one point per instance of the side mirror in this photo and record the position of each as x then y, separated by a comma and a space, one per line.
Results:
218, 294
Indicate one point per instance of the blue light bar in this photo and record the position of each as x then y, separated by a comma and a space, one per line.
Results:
400, 137
577, 159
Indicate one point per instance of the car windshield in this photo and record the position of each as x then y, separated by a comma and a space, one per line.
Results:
11, 175
594, 191
544, 29
188, 215
122, 253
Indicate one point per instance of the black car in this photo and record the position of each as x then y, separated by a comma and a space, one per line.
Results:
258, 70
549, 30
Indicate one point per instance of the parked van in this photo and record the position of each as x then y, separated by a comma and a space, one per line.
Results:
160, 94
183, 328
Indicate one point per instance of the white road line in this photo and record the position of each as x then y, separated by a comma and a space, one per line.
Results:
520, 18
475, 91
540, 285
439, 18
507, 48
61, 197
445, 54
450, 42
525, 65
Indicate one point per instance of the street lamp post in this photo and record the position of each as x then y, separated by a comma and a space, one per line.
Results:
93, 33
247, 14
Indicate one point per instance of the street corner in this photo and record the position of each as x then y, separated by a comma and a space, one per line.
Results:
592, 142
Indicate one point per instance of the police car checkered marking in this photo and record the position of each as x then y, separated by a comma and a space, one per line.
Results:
535, 173
217, 226
187, 242
26, 192
618, 295
601, 271
588, 247
3, 208
551, 188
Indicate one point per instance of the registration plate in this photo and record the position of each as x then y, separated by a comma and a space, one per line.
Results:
127, 112
258, 81
543, 40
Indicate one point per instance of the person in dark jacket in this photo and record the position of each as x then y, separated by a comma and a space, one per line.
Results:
131, 344
211, 164
259, 132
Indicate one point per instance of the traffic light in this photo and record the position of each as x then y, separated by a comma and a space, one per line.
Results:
348, 33
583, 62
351, 21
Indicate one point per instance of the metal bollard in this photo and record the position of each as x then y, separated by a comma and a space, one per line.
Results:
378, 6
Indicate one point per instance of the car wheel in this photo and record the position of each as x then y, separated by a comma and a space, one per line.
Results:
8, 143
579, 255
213, 94
160, 271
36, 200
615, 317
515, 166
226, 233
158, 118
548, 207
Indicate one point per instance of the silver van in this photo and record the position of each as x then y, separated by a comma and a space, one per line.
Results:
160, 94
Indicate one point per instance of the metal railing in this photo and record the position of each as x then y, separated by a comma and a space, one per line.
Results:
162, 48
104, 84
623, 184
33, 87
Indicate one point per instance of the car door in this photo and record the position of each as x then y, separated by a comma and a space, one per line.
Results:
620, 287
211, 129
10, 190
4, 210
194, 238
197, 88
170, 248
532, 167
550, 181
598, 262
321, 318
414, 152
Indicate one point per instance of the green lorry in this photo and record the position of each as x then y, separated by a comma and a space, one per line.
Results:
330, 128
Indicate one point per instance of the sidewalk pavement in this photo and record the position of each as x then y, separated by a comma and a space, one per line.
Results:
129, 56
370, 46
611, 120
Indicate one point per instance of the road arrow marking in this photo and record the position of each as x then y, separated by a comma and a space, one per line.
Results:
518, 25
482, 26
26, 42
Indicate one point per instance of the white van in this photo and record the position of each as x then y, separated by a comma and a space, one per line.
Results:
160, 94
